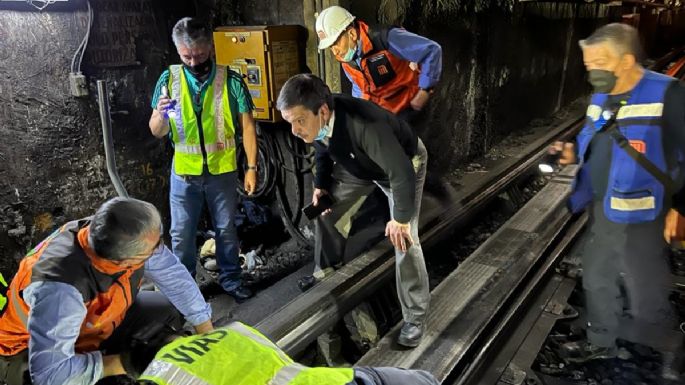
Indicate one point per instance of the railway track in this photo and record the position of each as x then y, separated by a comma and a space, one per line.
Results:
296, 325
490, 314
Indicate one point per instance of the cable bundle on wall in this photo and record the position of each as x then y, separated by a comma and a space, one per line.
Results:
76, 68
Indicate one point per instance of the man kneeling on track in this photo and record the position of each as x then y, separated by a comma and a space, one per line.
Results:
75, 306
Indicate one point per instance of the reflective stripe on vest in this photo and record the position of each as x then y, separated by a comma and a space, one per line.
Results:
215, 120
287, 374
631, 111
23, 317
623, 204
593, 112
219, 82
197, 149
175, 94
649, 110
171, 374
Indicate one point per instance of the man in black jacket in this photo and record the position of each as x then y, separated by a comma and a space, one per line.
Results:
360, 146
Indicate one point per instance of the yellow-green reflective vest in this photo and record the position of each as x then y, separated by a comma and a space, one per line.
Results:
3, 293
217, 126
235, 355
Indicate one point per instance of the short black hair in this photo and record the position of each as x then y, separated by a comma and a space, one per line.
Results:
304, 90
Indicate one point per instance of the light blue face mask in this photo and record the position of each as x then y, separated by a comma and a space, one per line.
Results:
349, 55
323, 131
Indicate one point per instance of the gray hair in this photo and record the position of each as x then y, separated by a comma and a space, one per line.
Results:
622, 38
119, 226
304, 90
191, 32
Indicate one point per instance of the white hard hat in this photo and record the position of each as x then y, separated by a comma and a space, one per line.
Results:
331, 22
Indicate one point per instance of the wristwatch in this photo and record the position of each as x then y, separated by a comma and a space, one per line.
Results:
252, 167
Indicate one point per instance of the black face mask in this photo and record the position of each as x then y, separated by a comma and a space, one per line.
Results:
602, 81
201, 69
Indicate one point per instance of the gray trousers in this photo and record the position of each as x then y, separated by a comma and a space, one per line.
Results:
332, 230
392, 376
632, 257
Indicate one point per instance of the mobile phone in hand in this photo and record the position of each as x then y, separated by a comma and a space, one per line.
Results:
170, 111
311, 211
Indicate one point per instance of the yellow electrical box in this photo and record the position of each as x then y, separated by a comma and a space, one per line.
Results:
266, 56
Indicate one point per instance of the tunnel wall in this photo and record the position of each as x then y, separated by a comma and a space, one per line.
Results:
502, 68
52, 164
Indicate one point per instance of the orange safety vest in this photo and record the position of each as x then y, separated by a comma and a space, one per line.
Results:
108, 290
382, 77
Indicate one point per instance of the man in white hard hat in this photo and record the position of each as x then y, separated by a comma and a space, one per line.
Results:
389, 66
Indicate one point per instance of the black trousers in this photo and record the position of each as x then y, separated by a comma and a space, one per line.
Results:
150, 308
410, 116
625, 266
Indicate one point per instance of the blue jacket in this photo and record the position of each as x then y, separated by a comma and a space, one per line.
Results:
633, 195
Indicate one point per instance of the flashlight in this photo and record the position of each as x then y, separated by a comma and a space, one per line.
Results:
549, 162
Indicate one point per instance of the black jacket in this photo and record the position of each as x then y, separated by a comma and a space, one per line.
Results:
372, 144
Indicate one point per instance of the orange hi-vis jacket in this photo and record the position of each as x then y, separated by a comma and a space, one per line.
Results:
382, 77
108, 290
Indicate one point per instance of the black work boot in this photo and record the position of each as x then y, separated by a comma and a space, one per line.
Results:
306, 282
240, 294
410, 335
